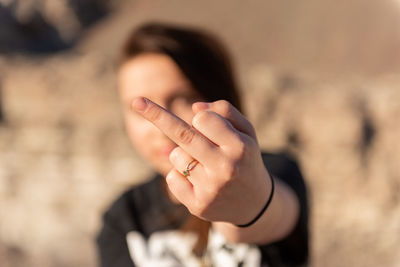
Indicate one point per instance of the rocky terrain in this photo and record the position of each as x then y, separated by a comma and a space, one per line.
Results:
319, 79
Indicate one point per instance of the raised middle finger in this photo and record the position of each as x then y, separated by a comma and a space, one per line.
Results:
185, 136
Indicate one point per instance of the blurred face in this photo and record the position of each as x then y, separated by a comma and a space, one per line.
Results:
157, 77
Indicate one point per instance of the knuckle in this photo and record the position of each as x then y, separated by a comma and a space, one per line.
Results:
185, 134
228, 169
224, 108
245, 148
201, 118
153, 113
241, 149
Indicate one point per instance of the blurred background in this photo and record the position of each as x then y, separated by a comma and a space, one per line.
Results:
320, 78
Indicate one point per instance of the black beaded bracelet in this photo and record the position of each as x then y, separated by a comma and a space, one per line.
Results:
264, 208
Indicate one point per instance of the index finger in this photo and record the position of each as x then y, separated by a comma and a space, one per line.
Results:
181, 133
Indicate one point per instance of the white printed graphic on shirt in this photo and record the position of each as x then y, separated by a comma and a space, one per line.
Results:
174, 248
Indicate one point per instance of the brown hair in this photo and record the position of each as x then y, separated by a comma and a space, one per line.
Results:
201, 57
205, 63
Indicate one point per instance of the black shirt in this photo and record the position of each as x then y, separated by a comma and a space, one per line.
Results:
141, 228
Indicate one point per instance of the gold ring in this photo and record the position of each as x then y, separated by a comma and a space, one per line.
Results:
190, 167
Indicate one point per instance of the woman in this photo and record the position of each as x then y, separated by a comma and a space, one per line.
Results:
216, 200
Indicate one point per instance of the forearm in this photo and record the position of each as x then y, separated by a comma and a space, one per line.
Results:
276, 223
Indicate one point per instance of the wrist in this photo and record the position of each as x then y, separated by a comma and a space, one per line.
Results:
266, 205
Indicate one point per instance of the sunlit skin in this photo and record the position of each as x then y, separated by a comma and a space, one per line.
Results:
170, 127
158, 78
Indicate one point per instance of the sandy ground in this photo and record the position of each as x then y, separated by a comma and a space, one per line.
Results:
318, 79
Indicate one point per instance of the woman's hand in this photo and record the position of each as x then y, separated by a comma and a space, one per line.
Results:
229, 182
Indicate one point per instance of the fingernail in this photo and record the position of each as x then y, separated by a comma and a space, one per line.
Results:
203, 105
139, 104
